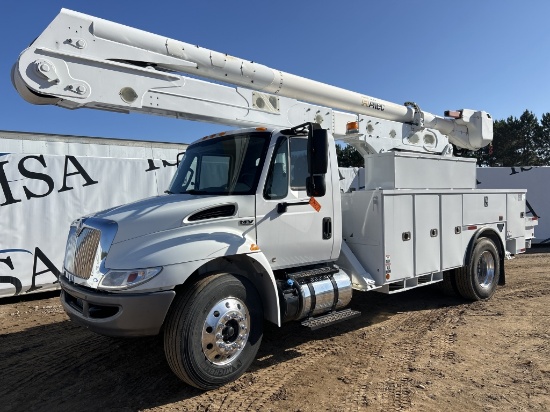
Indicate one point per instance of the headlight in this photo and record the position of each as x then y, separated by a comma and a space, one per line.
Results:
125, 279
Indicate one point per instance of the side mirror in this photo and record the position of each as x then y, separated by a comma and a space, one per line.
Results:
317, 152
316, 186
317, 161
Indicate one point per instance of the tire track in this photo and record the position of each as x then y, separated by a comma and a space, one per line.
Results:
411, 334
393, 390
255, 388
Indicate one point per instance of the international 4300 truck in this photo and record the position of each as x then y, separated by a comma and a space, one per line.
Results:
253, 226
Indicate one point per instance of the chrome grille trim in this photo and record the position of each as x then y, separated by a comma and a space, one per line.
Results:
87, 246
86, 249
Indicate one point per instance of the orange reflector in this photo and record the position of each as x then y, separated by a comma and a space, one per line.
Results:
314, 204
352, 127
254, 247
222, 134
261, 129
388, 276
471, 227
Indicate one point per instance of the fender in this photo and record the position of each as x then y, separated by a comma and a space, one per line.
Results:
188, 252
268, 289
492, 234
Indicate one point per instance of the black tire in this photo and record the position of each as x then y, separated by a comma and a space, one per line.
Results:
479, 279
203, 334
448, 285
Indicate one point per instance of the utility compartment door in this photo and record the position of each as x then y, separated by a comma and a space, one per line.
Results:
426, 234
515, 215
483, 208
398, 237
452, 250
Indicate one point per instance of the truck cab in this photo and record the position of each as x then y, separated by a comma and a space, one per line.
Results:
240, 203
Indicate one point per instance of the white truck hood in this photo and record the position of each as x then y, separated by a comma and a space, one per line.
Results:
160, 213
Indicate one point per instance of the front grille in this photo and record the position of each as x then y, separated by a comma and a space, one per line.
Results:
81, 252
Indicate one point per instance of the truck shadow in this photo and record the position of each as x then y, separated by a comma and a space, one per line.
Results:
62, 366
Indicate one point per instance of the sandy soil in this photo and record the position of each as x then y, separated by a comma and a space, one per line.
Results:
417, 350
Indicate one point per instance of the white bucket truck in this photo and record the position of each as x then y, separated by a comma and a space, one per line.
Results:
254, 225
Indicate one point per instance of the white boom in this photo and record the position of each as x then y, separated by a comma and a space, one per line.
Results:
84, 61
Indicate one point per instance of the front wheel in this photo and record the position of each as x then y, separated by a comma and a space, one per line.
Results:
213, 331
479, 279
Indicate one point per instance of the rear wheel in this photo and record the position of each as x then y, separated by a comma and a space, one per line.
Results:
214, 330
479, 279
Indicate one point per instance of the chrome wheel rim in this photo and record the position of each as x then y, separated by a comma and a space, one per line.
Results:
485, 269
225, 331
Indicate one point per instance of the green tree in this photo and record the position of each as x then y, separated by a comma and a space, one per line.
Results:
517, 142
544, 150
349, 157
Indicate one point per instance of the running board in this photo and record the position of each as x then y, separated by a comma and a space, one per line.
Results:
330, 319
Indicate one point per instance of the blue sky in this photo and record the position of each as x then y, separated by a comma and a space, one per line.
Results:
485, 55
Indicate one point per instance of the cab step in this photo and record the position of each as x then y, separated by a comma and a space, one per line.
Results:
330, 319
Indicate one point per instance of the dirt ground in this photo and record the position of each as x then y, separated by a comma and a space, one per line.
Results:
416, 350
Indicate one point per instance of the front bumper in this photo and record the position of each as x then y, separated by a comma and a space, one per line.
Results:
110, 314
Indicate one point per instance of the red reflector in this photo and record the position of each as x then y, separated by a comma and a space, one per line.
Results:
132, 277
535, 218
522, 250
500, 218
472, 227
455, 114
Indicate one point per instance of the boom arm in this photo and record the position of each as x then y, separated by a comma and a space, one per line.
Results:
83, 61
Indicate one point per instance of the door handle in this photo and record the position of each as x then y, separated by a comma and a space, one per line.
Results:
327, 228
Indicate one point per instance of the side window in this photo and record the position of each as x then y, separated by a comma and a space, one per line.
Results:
189, 182
298, 163
276, 186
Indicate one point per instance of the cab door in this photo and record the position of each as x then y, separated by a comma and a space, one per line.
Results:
290, 231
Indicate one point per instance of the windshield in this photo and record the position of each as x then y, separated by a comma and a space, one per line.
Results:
224, 166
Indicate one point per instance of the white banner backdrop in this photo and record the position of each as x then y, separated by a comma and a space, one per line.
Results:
533, 178
40, 195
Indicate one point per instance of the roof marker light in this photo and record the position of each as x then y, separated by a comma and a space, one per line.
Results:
352, 127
